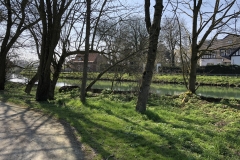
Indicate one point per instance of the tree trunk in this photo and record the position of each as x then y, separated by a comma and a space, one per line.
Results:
51, 15
154, 31
43, 83
52, 86
30, 84
172, 58
57, 71
193, 74
85, 67
2, 70
194, 47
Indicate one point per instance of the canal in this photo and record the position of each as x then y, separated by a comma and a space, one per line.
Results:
160, 89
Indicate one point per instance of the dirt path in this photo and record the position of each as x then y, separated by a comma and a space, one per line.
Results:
28, 135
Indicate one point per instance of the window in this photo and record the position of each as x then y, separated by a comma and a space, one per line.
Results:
222, 52
237, 53
229, 51
209, 55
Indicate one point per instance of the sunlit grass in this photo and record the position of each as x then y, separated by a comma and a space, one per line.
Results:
170, 129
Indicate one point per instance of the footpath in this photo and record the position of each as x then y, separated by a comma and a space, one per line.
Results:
29, 135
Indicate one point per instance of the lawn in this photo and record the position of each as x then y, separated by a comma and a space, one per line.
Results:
174, 127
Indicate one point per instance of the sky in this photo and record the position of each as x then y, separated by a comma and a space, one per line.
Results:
140, 12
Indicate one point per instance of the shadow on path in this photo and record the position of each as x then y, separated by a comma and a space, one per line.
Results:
25, 134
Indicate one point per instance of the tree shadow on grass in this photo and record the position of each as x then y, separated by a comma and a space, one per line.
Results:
131, 137
154, 116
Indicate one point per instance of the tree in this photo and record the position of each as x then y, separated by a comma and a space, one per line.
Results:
125, 44
218, 19
101, 11
85, 66
16, 19
170, 36
153, 31
51, 13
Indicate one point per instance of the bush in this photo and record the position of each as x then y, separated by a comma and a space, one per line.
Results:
219, 69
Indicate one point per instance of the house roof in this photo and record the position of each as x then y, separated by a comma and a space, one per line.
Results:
91, 57
230, 41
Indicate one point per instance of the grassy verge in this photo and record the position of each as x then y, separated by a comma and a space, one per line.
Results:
233, 81
183, 127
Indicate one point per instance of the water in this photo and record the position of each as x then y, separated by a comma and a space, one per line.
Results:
160, 89
17, 78
163, 89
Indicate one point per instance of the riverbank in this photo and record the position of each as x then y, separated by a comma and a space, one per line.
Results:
203, 80
174, 127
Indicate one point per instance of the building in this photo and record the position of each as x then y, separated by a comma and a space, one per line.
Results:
95, 60
224, 51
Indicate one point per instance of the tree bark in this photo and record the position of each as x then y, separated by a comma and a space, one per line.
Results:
2, 70
30, 84
57, 71
193, 74
153, 31
172, 58
85, 66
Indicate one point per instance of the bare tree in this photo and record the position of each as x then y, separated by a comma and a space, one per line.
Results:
125, 44
16, 17
153, 30
51, 18
101, 11
218, 19
170, 36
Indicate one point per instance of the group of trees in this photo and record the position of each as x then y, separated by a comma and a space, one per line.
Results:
59, 28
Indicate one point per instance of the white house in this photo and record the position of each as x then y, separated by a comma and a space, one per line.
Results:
224, 51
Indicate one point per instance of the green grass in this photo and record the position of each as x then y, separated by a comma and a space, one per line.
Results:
165, 78
173, 127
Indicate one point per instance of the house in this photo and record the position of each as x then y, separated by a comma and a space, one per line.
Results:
224, 51
95, 61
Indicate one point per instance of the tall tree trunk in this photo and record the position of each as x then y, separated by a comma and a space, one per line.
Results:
85, 66
153, 31
3, 62
194, 47
43, 82
30, 84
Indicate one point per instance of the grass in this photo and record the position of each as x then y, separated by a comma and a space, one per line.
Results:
159, 78
174, 127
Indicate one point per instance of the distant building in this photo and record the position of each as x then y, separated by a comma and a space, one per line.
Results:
95, 61
224, 51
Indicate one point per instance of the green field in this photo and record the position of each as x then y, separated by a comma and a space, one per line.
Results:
174, 127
